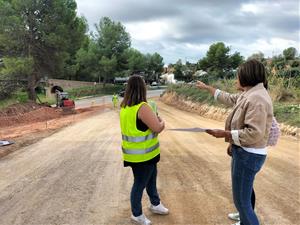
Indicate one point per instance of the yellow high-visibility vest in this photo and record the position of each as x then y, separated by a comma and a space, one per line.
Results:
115, 98
137, 146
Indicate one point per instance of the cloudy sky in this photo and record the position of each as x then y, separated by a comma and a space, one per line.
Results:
184, 29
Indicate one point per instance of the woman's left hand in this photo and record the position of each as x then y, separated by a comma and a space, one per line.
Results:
219, 133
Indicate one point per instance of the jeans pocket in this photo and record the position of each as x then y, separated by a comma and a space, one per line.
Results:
259, 162
240, 154
254, 162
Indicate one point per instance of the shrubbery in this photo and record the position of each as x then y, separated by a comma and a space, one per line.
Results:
284, 92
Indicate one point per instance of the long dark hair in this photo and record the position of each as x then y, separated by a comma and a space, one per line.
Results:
135, 92
251, 73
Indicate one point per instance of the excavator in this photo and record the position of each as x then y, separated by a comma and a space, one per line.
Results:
63, 101
62, 98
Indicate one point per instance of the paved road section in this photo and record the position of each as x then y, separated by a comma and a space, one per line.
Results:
87, 102
76, 176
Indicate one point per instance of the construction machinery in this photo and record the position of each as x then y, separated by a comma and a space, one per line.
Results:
63, 101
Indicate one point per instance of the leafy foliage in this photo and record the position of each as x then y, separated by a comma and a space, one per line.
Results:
48, 32
218, 62
14, 75
289, 53
112, 41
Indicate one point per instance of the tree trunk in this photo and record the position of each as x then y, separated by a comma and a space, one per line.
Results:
104, 81
31, 94
33, 81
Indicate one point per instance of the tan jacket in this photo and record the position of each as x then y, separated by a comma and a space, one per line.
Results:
251, 115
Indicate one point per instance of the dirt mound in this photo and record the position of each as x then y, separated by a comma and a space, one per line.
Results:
18, 109
27, 113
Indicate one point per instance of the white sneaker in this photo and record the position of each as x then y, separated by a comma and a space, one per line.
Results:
238, 223
159, 209
234, 216
142, 220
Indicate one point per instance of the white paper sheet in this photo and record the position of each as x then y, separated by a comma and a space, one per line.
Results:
195, 129
3, 143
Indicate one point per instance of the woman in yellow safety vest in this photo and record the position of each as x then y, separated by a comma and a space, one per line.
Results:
140, 127
115, 100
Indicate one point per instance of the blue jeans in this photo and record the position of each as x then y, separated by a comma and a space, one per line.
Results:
144, 177
244, 167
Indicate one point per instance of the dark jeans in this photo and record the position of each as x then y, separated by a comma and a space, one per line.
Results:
144, 177
244, 167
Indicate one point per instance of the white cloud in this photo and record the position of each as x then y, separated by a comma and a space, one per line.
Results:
252, 8
185, 29
148, 31
270, 47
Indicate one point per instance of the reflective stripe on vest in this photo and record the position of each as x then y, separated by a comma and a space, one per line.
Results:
139, 139
140, 151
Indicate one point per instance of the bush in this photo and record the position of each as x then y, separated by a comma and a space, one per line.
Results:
287, 113
21, 97
283, 89
18, 96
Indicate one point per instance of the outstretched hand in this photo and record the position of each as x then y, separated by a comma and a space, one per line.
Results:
204, 86
219, 133
201, 85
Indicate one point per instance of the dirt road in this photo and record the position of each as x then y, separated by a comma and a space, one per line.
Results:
76, 177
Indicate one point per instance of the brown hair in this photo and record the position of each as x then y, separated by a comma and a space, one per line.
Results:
135, 92
251, 73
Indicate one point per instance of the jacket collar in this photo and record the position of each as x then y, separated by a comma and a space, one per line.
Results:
259, 86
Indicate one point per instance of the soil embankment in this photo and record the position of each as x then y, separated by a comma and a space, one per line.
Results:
212, 112
25, 124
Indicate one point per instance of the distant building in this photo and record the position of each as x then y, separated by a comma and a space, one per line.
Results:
200, 73
168, 78
168, 69
120, 80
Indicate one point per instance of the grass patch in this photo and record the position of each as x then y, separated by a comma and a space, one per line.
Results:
191, 93
287, 113
17, 97
44, 99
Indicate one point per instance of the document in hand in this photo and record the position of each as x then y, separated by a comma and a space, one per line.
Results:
3, 143
195, 129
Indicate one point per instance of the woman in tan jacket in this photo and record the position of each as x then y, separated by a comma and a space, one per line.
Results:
247, 130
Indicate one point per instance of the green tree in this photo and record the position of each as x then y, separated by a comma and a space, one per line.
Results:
79, 40
48, 32
259, 56
178, 70
136, 61
235, 60
15, 71
278, 62
218, 62
108, 67
289, 53
156, 63
189, 71
88, 62
112, 42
